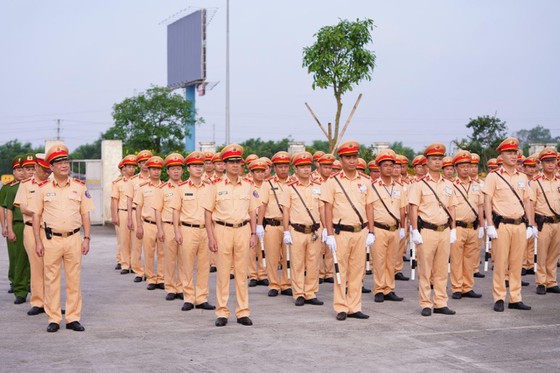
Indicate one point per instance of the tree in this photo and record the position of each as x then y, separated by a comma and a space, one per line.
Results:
10, 150
88, 151
156, 120
318, 145
399, 148
537, 134
264, 148
339, 59
487, 133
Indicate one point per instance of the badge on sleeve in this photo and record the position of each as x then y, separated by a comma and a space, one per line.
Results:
255, 194
87, 194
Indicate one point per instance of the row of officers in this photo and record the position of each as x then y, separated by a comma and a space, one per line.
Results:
292, 232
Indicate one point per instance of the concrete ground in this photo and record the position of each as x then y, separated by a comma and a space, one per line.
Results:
131, 329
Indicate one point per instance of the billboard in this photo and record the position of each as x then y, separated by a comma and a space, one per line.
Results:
186, 50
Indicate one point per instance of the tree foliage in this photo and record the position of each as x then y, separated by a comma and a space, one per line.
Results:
10, 150
153, 120
88, 151
399, 148
265, 148
339, 60
487, 133
537, 134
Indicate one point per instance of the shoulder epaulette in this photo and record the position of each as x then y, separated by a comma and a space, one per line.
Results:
291, 182
335, 174
134, 177
117, 180
248, 180
537, 177
144, 183
215, 181
14, 183
315, 181
398, 182
26, 180
79, 181
363, 174
43, 183
183, 182
268, 178
163, 185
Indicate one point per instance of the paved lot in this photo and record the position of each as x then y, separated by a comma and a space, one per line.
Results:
131, 329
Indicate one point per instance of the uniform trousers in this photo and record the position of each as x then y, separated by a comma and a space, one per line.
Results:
123, 240
152, 247
548, 249
36, 265
433, 259
507, 252
351, 255
256, 269
275, 253
304, 258
385, 251
233, 249
67, 250
464, 252
173, 273
194, 251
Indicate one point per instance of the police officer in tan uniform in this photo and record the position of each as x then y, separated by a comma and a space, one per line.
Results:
470, 228
257, 271
546, 188
301, 221
230, 216
23, 200
163, 206
530, 169
432, 214
146, 229
119, 212
510, 223
400, 174
349, 229
61, 208
326, 270
188, 220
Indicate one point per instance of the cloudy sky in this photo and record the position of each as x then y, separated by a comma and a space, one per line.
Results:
439, 63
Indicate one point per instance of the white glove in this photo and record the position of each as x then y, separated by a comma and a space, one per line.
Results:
260, 232
532, 232
401, 233
416, 237
453, 236
287, 238
480, 233
331, 243
370, 239
491, 232
324, 235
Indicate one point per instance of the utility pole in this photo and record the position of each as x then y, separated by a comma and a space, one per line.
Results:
227, 73
58, 129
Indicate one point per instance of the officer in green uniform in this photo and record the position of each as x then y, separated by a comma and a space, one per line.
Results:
19, 262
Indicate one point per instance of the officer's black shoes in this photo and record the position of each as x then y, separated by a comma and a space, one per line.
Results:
205, 306
19, 300
523, 271
11, 289
541, 290
137, 279
179, 296
530, 271
379, 298
35, 311
365, 290
524, 283
314, 302
330, 280
252, 283
426, 311
221, 321
160, 286
341, 316
400, 277
507, 284
118, 267
273, 293
321, 281
244, 321
392, 297
170, 296
457, 295
75, 326
499, 306
300, 301
368, 273
405, 259
519, 306
187, 306
212, 269
479, 275
471, 294
53, 327
358, 315
262, 282
444, 311
231, 276
151, 287
125, 271
287, 292
553, 289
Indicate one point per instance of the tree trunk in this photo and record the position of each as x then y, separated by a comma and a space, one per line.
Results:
334, 138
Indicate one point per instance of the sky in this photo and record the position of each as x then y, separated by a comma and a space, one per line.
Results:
439, 63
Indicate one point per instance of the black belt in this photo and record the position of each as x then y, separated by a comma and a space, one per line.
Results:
435, 227
548, 219
17, 221
134, 209
302, 228
464, 224
390, 228
28, 223
149, 221
167, 222
349, 228
239, 225
273, 222
66, 234
512, 221
123, 209
192, 225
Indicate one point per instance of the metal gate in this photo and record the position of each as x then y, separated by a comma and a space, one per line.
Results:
90, 171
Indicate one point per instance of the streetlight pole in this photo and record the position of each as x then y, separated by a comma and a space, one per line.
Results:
227, 74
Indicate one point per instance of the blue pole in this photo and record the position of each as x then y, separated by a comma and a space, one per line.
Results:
189, 139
